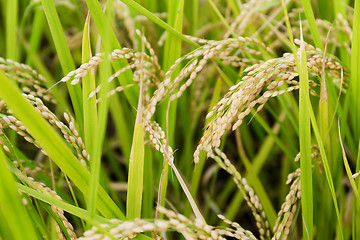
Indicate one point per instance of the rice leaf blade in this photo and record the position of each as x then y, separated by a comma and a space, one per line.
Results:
66, 60
89, 104
12, 206
305, 149
136, 175
11, 29
56, 148
312, 24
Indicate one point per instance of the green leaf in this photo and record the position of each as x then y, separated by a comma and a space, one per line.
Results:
65, 58
99, 131
136, 175
54, 146
11, 29
88, 84
305, 149
18, 219
355, 70
100, 21
157, 21
312, 24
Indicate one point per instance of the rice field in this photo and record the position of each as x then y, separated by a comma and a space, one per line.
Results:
181, 119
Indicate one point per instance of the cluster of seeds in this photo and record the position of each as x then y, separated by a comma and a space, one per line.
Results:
29, 171
34, 83
249, 195
174, 86
157, 139
261, 82
142, 64
148, 66
41, 187
9, 121
196, 229
341, 25
77, 74
288, 208
111, 93
239, 232
70, 134
314, 155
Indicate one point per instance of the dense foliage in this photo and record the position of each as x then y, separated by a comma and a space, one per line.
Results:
217, 119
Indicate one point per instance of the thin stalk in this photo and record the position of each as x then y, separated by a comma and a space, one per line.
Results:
136, 162
305, 148
11, 29
312, 24
158, 21
355, 88
95, 162
88, 84
66, 60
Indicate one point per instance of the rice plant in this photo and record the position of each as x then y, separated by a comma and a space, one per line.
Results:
180, 119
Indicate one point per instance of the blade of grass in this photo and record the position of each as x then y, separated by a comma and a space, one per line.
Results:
315, 128
118, 111
355, 88
88, 84
16, 216
193, 14
11, 29
104, 72
137, 7
255, 166
197, 172
355, 70
326, 10
356, 208
325, 209
172, 52
172, 49
325, 163
100, 21
305, 148
259, 189
348, 170
54, 146
168, 111
136, 162
130, 93
121, 116
312, 24
76, 211
36, 34
162, 186
148, 200
291, 153
52, 200
32, 57
136, 173
66, 60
